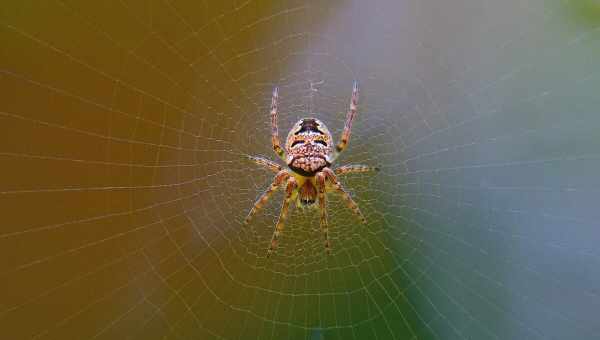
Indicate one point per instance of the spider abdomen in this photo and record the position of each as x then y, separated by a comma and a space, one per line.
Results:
308, 165
308, 147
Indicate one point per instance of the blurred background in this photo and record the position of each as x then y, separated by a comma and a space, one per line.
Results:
124, 131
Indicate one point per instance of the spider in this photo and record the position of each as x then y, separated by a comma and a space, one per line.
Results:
309, 154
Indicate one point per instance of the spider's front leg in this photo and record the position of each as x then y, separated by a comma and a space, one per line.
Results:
321, 179
291, 187
332, 178
274, 132
277, 181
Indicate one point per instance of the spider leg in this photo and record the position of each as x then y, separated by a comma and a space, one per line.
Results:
321, 178
266, 163
345, 195
277, 181
354, 168
274, 132
349, 118
292, 185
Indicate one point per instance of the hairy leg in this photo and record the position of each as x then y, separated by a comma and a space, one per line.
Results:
274, 132
349, 118
266, 163
277, 181
354, 168
292, 185
321, 178
332, 178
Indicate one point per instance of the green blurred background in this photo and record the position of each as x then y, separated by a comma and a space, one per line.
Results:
124, 130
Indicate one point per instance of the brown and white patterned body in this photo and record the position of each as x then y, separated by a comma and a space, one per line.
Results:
309, 151
309, 154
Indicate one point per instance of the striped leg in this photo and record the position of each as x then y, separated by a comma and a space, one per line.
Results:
274, 132
345, 195
266, 163
320, 178
292, 185
279, 179
354, 168
349, 118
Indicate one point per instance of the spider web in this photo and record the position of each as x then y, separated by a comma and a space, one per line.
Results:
125, 126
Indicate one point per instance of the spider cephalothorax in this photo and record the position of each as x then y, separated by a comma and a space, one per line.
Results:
309, 154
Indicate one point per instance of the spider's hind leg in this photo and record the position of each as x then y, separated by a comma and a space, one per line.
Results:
274, 131
349, 118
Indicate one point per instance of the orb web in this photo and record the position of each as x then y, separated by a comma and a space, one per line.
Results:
126, 128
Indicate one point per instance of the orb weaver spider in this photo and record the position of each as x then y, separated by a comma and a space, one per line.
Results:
309, 154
